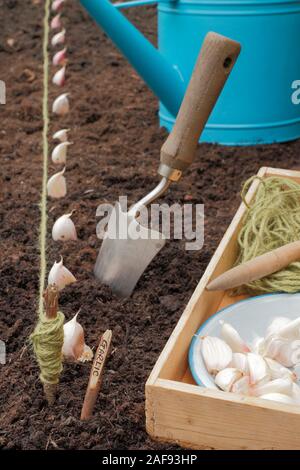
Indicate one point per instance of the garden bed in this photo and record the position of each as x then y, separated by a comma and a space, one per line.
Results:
113, 117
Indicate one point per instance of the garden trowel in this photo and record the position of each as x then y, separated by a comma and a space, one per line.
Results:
128, 247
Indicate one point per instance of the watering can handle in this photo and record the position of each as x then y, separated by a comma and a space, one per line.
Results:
215, 62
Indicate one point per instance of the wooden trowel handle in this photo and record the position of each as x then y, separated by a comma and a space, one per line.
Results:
215, 62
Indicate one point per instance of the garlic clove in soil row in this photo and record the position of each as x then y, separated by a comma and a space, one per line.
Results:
217, 355
57, 186
58, 38
61, 135
55, 22
60, 57
61, 105
64, 229
59, 153
60, 275
57, 5
74, 347
59, 77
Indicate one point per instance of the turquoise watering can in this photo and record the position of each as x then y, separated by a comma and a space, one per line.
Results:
256, 105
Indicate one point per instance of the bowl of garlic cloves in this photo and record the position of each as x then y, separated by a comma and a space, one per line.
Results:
251, 348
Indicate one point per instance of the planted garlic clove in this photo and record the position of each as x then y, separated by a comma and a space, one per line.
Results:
55, 22
216, 354
60, 57
276, 325
278, 371
226, 378
291, 330
61, 135
240, 362
233, 339
60, 275
61, 105
258, 369
59, 77
242, 386
57, 5
64, 228
59, 38
284, 386
74, 347
57, 186
278, 397
59, 153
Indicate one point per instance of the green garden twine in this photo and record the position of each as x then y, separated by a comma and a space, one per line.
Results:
47, 340
272, 220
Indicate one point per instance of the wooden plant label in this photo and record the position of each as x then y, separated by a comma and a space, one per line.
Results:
96, 375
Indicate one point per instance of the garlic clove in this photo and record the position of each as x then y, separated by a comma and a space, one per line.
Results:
258, 369
57, 5
61, 135
59, 77
291, 330
233, 339
226, 378
216, 354
59, 153
58, 38
55, 22
57, 186
60, 275
74, 347
60, 57
242, 386
296, 393
283, 351
276, 325
61, 105
278, 371
280, 397
64, 228
240, 362
258, 346
284, 386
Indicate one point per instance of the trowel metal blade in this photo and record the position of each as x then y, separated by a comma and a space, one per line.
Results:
126, 251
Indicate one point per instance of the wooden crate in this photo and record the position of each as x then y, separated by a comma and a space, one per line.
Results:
179, 411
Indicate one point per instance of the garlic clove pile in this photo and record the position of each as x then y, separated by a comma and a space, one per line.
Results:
59, 153
233, 339
60, 275
55, 22
61, 105
59, 77
227, 377
280, 397
216, 354
61, 135
58, 38
60, 57
57, 186
74, 347
64, 228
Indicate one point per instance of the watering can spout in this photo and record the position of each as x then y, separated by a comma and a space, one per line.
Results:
161, 76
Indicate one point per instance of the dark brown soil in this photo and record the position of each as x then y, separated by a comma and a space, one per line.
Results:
116, 152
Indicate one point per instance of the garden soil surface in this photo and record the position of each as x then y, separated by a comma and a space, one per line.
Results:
114, 127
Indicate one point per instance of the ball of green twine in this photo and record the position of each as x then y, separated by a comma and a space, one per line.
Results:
47, 339
272, 220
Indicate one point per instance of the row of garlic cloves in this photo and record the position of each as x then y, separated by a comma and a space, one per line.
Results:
261, 370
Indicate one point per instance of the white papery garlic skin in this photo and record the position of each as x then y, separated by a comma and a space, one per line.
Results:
59, 153
60, 57
233, 339
280, 397
258, 369
216, 354
61, 105
60, 275
58, 38
74, 347
59, 77
284, 351
64, 228
55, 22
227, 377
61, 135
57, 186
284, 386
57, 4
242, 386
240, 362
